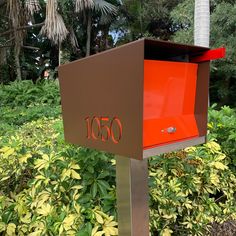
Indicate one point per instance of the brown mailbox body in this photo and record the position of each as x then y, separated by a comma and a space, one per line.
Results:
137, 100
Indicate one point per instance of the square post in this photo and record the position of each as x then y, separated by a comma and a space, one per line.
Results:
132, 196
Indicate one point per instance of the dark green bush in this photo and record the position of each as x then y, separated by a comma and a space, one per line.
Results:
25, 93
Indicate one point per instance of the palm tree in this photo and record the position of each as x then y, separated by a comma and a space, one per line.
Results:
87, 7
19, 14
202, 23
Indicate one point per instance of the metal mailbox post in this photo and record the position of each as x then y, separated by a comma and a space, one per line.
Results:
138, 100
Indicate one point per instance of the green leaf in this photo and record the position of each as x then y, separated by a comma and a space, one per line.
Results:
90, 169
104, 184
103, 175
94, 189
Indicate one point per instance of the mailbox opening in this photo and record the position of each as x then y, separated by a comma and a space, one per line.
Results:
172, 86
169, 98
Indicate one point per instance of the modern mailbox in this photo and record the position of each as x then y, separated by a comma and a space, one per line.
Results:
138, 100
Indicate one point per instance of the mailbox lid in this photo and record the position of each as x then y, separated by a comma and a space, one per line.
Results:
169, 102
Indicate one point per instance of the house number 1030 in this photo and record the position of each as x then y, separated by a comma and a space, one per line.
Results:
104, 128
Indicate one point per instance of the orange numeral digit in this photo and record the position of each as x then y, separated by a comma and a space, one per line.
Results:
119, 126
104, 129
96, 121
87, 119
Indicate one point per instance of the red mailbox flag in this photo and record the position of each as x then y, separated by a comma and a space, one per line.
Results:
210, 55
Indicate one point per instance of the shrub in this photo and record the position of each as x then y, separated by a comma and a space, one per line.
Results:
48, 187
25, 93
191, 189
44, 188
222, 126
23, 101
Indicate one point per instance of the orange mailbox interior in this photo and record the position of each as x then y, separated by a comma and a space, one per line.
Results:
169, 100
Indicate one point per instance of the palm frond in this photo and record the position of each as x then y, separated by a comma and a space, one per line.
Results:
54, 27
105, 7
81, 5
32, 6
106, 19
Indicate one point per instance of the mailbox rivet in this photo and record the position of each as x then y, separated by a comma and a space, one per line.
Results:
171, 130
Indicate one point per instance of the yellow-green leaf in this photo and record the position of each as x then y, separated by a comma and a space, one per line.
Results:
75, 167
99, 233
99, 218
45, 157
214, 179
41, 163
166, 232
9, 152
4, 178
11, 228
167, 216
65, 173
68, 221
4, 149
111, 224
77, 187
61, 229
24, 158
26, 219
40, 177
77, 208
94, 230
110, 230
220, 166
75, 175
220, 157
2, 227
35, 233
45, 209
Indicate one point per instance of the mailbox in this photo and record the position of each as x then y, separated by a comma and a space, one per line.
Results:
138, 100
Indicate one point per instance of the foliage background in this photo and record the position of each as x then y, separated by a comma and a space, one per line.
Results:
112, 26
48, 187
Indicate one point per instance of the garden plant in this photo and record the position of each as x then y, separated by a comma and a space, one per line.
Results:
48, 187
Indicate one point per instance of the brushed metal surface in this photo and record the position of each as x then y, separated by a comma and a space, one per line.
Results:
132, 196
173, 147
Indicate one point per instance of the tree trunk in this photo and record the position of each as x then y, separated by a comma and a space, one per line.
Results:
141, 17
202, 23
89, 29
14, 13
17, 61
3, 56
